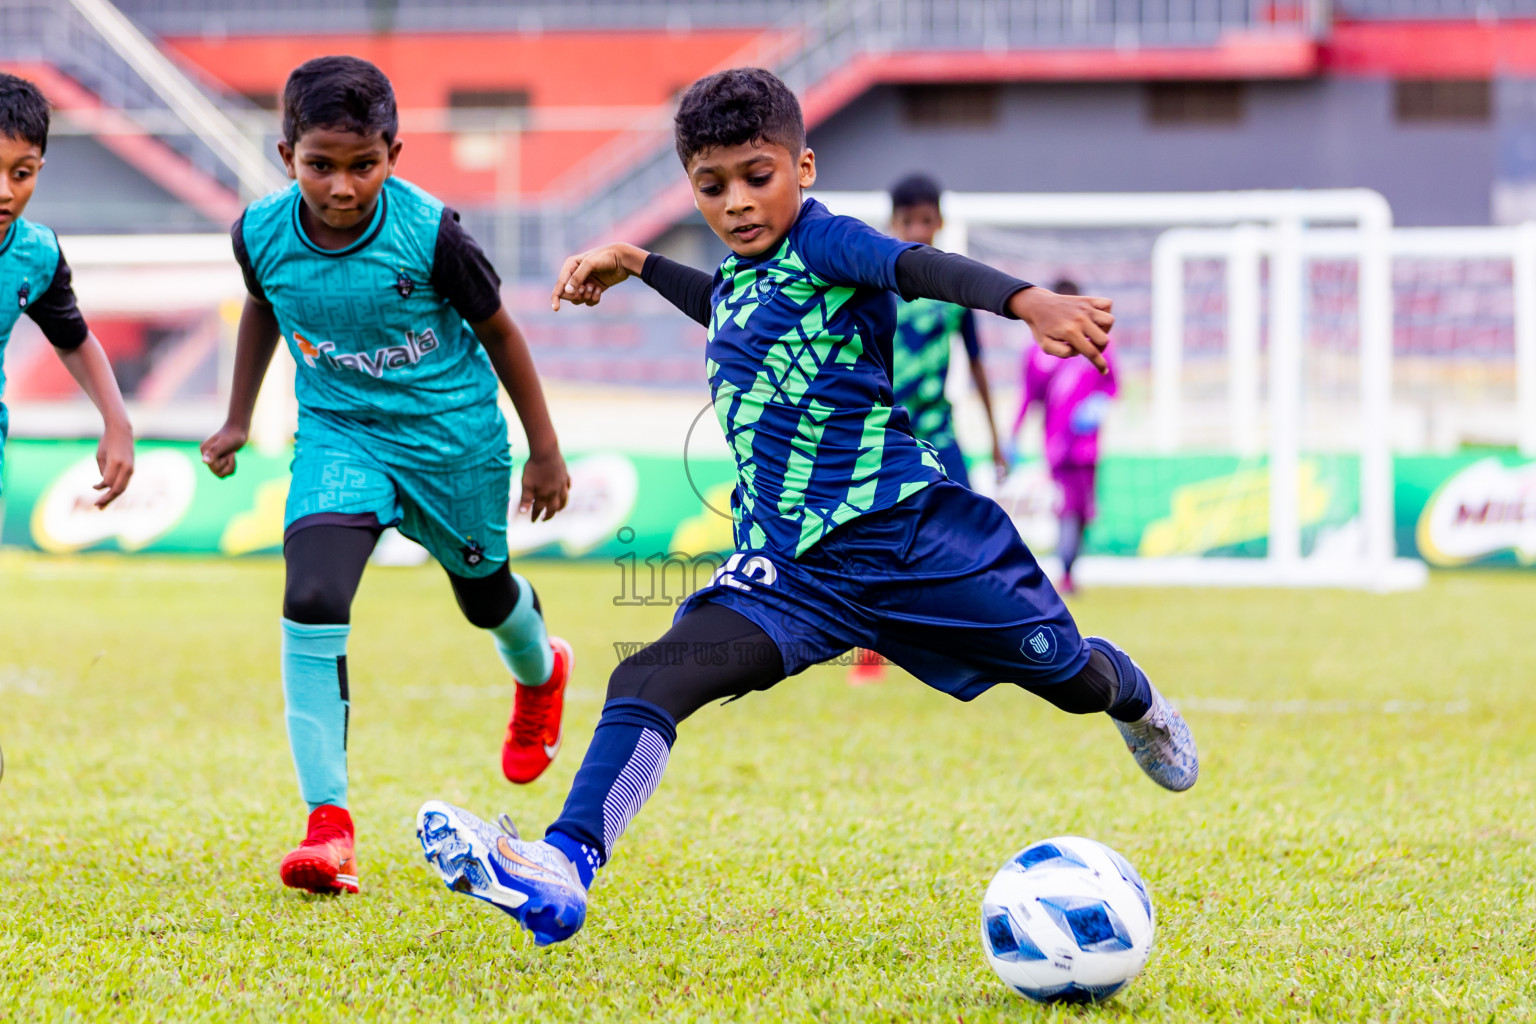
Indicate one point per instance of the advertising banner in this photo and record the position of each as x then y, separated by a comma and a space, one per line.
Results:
1453, 510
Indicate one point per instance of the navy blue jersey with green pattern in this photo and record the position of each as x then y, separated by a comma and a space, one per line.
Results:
35, 280
380, 330
924, 330
799, 359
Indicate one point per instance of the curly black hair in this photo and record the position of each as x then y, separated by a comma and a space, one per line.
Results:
23, 111
340, 93
915, 190
742, 105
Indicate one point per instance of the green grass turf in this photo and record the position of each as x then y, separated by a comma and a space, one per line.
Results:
1358, 848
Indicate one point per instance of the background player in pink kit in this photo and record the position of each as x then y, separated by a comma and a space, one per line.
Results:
1076, 397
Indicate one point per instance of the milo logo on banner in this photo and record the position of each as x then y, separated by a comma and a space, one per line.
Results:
1486, 509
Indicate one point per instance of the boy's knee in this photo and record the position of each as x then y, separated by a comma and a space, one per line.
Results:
486, 615
314, 602
486, 601
629, 679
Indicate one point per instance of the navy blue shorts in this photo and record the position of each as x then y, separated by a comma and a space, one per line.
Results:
940, 584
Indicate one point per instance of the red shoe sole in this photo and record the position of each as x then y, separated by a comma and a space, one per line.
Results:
316, 874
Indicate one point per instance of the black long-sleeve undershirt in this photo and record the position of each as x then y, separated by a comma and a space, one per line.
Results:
923, 272
683, 286
927, 273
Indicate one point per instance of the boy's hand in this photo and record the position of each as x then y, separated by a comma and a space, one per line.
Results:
1066, 325
114, 457
219, 450
546, 486
584, 278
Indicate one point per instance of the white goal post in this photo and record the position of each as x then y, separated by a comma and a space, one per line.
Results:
1272, 223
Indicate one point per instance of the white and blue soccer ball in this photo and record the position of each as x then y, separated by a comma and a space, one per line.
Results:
1067, 920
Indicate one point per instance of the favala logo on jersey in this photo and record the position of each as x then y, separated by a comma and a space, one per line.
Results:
390, 357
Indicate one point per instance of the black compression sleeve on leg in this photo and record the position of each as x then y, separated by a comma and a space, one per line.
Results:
325, 564
1092, 690
486, 601
710, 654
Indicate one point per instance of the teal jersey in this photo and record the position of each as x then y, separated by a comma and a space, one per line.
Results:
799, 359
380, 330
35, 279
925, 329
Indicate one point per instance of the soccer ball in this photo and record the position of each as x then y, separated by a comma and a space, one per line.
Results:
1066, 920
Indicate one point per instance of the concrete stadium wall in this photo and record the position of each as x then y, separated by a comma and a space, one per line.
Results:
1091, 137
87, 190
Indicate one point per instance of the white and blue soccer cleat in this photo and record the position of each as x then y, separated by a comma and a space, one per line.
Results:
533, 882
1163, 745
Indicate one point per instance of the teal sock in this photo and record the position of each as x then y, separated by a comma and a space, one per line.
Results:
522, 641
317, 708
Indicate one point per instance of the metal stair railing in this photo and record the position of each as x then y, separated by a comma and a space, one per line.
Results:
217, 17
633, 170
92, 43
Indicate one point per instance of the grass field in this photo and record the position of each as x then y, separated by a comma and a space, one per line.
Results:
1359, 846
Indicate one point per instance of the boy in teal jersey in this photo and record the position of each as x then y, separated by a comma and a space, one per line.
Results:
35, 280
848, 533
925, 329
394, 319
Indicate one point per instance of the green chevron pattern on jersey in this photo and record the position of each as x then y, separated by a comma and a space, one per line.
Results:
798, 394
925, 330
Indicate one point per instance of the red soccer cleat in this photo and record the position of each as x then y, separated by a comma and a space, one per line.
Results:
324, 862
533, 734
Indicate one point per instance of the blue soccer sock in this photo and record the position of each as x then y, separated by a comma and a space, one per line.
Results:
1133, 698
317, 707
621, 770
586, 858
522, 640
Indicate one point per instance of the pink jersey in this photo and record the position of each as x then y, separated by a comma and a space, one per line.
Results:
1076, 398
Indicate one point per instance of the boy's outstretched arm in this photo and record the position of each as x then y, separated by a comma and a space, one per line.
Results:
88, 364
255, 341
546, 483
1063, 325
58, 315
584, 278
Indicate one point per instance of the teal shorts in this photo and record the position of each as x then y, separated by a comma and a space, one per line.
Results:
459, 514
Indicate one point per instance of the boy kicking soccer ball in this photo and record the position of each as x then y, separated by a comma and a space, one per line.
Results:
35, 280
848, 534
395, 321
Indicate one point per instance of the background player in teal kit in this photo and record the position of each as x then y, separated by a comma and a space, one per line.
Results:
394, 319
925, 330
848, 534
35, 280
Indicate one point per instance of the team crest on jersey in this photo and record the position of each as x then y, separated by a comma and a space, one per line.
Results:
1039, 646
404, 285
376, 363
22, 294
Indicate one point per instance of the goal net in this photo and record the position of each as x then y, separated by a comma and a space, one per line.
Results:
1274, 350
